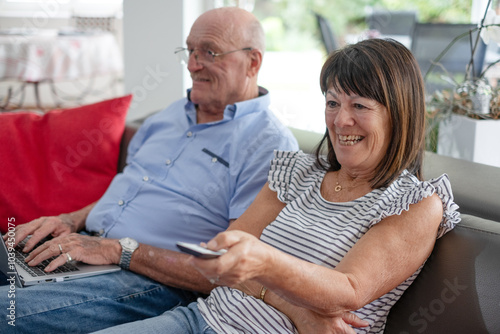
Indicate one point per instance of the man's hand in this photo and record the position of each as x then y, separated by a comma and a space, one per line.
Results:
91, 250
42, 227
57, 226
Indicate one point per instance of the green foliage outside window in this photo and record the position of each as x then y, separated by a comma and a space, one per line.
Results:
290, 24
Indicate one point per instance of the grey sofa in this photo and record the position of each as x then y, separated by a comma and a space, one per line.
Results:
458, 290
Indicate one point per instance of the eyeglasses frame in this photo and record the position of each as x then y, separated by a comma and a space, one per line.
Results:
181, 49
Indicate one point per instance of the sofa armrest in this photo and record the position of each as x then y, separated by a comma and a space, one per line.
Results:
458, 290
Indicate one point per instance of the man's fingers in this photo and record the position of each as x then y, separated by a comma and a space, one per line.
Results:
38, 229
41, 253
22, 231
59, 261
37, 236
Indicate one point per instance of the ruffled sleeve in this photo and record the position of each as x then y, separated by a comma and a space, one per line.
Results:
292, 173
407, 190
280, 174
451, 216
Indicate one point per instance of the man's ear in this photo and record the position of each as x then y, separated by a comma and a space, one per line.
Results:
255, 62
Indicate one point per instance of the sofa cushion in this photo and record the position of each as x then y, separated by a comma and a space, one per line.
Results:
59, 161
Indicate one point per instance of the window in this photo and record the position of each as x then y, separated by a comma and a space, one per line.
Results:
295, 53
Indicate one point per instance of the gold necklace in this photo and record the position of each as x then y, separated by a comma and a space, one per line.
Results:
338, 187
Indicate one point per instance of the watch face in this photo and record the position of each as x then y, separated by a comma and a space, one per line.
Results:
129, 243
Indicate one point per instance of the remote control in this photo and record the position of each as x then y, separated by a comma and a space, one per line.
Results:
199, 251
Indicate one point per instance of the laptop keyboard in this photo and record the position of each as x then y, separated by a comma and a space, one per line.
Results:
38, 270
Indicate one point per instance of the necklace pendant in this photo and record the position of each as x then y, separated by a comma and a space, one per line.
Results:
338, 188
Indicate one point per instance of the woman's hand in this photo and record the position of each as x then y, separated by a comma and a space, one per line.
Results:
308, 321
247, 258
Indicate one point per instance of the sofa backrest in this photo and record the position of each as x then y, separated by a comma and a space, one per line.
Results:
128, 133
476, 187
458, 290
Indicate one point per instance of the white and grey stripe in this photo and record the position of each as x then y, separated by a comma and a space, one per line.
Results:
321, 232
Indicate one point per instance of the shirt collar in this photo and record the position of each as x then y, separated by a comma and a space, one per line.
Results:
236, 110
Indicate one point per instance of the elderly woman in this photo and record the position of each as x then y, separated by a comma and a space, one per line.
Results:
331, 235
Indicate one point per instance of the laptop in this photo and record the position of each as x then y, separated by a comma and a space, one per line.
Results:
13, 266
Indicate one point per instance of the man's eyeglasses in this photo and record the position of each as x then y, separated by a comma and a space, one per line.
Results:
202, 56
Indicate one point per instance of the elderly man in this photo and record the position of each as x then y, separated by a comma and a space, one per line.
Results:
192, 169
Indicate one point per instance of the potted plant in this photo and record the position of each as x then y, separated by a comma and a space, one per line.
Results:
464, 120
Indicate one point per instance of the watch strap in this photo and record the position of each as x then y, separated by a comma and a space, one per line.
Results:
129, 245
125, 258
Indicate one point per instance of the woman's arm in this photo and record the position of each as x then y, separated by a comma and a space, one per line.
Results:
263, 210
305, 320
386, 255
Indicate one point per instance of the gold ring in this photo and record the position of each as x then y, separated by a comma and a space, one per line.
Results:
60, 248
69, 258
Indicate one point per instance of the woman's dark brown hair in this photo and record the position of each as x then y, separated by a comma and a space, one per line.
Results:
387, 72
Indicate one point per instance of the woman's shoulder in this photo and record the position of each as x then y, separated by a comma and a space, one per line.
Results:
407, 189
408, 184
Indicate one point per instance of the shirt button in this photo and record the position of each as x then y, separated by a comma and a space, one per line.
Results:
168, 162
145, 178
121, 202
189, 134
214, 159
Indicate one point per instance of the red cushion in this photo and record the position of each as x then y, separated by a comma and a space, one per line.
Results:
58, 162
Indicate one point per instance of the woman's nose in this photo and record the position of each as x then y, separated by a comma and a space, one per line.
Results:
343, 118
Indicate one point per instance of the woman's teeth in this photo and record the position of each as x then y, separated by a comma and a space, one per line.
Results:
350, 140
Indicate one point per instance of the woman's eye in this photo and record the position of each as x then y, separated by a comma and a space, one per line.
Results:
331, 104
359, 106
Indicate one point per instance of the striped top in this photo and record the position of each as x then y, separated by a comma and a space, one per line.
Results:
322, 232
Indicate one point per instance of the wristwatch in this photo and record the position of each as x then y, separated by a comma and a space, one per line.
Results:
129, 245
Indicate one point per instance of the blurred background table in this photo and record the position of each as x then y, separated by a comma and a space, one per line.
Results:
51, 56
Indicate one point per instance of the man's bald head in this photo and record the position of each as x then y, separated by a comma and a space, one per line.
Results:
237, 26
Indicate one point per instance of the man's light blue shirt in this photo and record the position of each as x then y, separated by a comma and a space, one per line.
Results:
185, 181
